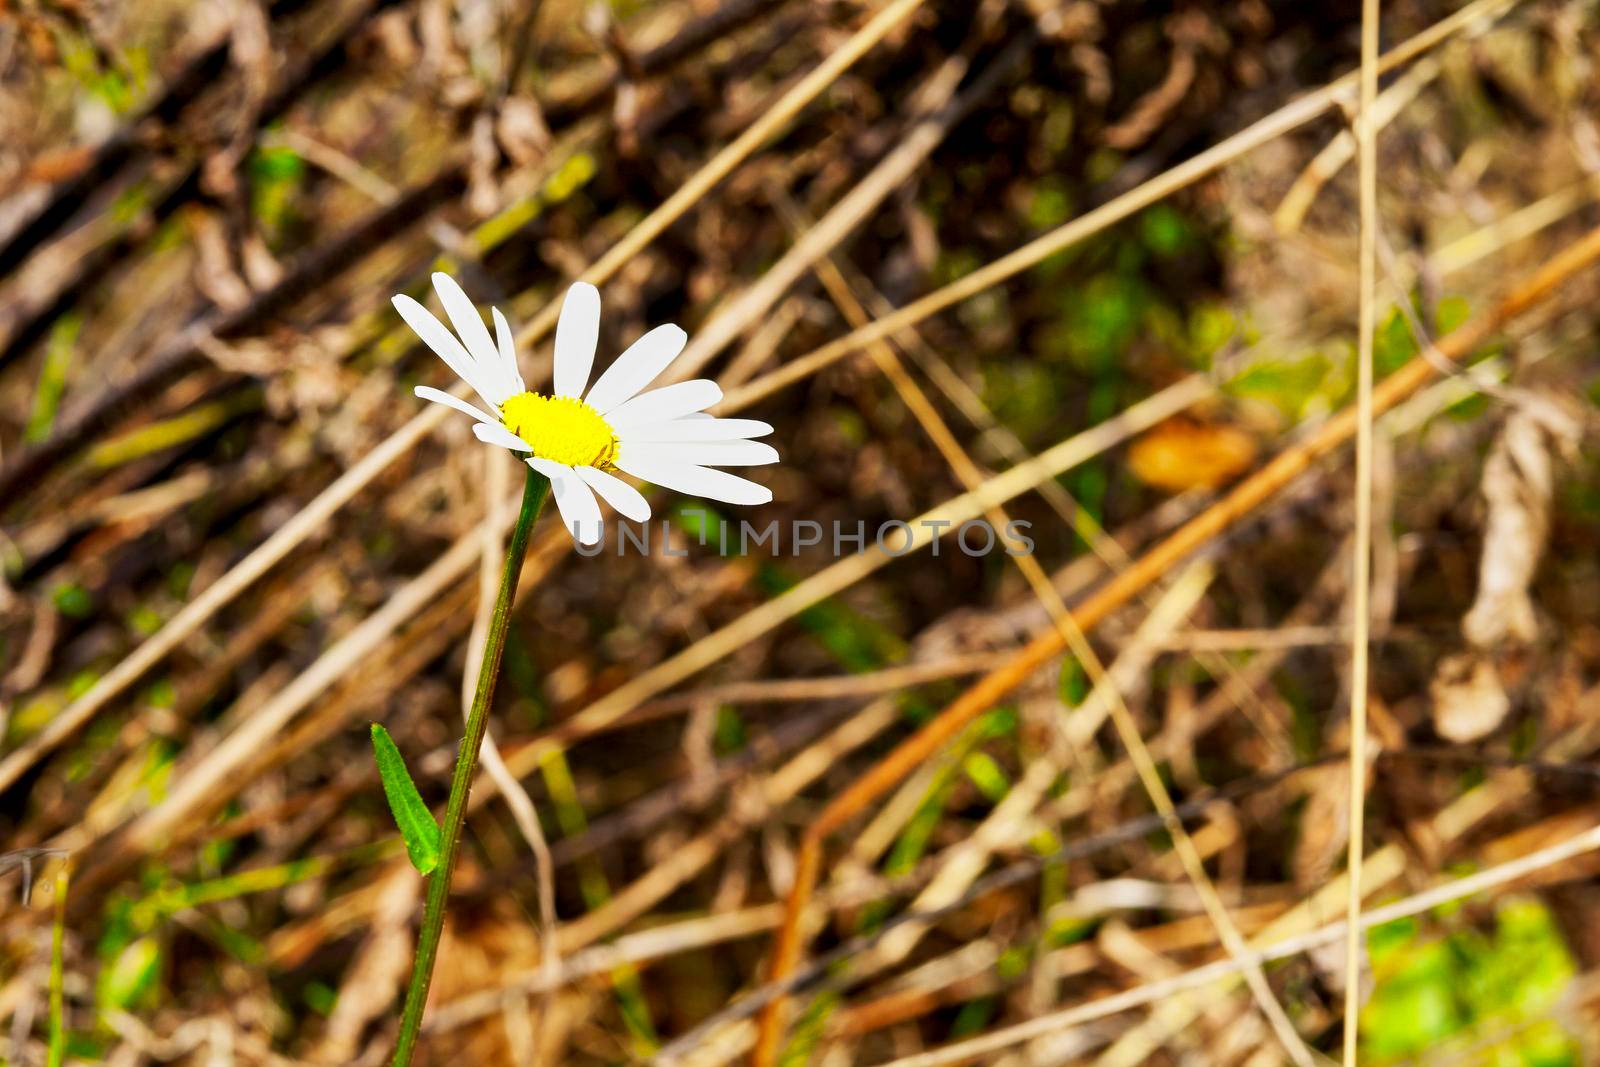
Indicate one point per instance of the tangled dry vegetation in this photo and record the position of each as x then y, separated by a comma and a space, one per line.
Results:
231, 537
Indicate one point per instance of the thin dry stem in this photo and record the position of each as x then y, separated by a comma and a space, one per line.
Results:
969, 474
723, 163
1156, 992
846, 572
1361, 577
316, 514
889, 175
1239, 503
1286, 119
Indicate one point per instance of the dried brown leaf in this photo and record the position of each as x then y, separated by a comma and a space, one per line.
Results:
1518, 480
1468, 698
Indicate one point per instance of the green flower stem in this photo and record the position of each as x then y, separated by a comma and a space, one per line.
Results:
534, 491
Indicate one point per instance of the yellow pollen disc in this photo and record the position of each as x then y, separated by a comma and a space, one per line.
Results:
561, 428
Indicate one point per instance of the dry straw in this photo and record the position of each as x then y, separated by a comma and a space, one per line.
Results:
1243, 500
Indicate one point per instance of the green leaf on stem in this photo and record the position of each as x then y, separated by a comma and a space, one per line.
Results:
417, 826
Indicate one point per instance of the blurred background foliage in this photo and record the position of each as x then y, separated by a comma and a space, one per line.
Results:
205, 209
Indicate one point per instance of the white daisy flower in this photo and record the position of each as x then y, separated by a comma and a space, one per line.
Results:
579, 439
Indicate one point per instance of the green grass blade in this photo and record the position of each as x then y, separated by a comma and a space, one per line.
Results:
417, 826
57, 1048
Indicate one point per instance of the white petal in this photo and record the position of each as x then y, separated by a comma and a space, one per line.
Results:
577, 332
616, 492
550, 468
693, 480
637, 367
492, 433
439, 396
668, 402
508, 350
714, 453
580, 511
446, 347
690, 428
465, 318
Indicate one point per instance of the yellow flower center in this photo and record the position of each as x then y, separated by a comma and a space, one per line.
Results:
562, 429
